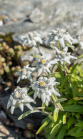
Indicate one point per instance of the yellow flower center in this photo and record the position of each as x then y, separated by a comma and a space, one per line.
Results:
79, 90
63, 30
42, 83
43, 61
23, 70
62, 52
17, 95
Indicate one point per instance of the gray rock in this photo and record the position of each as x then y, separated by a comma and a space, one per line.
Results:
20, 11
37, 16
26, 56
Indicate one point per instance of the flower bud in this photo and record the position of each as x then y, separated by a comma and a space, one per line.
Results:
4, 64
11, 51
1, 71
13, 69
24, 63
16, 48
7, 69
4, 44
17, 68
19, 54
9, 63
64, 119
30, 126
2, 59
79, 90
1, 63
28, 134
6, 47
25, 48
9, 84
19, 47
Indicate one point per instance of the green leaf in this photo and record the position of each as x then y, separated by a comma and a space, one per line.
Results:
54, 129
42, 127
60, 100
70, 101
79, 130
73, 108
50, 108
74, 67
69, 123
69, 45
77, 135
79, 124
36, 56
52, 46
80, 56
72, 130
74, 88
27, 113
63, 82
30, 93
51, 124
45, 119
58, 104
51, 117
78, 98
62, 133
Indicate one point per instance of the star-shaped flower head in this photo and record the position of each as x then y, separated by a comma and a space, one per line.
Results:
25, 73
31, 39
43, 64
19, 98
58, 36
44, 88
63, 56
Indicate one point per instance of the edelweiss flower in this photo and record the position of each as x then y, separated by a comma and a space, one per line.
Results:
44, 64
58, 36
19, 98
25, 73
44, 88
31, 39
64, 56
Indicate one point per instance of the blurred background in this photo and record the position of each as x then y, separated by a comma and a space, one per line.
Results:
18, 17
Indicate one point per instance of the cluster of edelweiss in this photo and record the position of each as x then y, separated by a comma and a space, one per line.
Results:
44, 87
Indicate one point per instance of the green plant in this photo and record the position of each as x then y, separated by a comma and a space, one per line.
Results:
10, 63
69, 122
61, 99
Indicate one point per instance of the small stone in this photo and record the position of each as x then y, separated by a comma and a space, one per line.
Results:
3, 114
1, 23
3, 131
